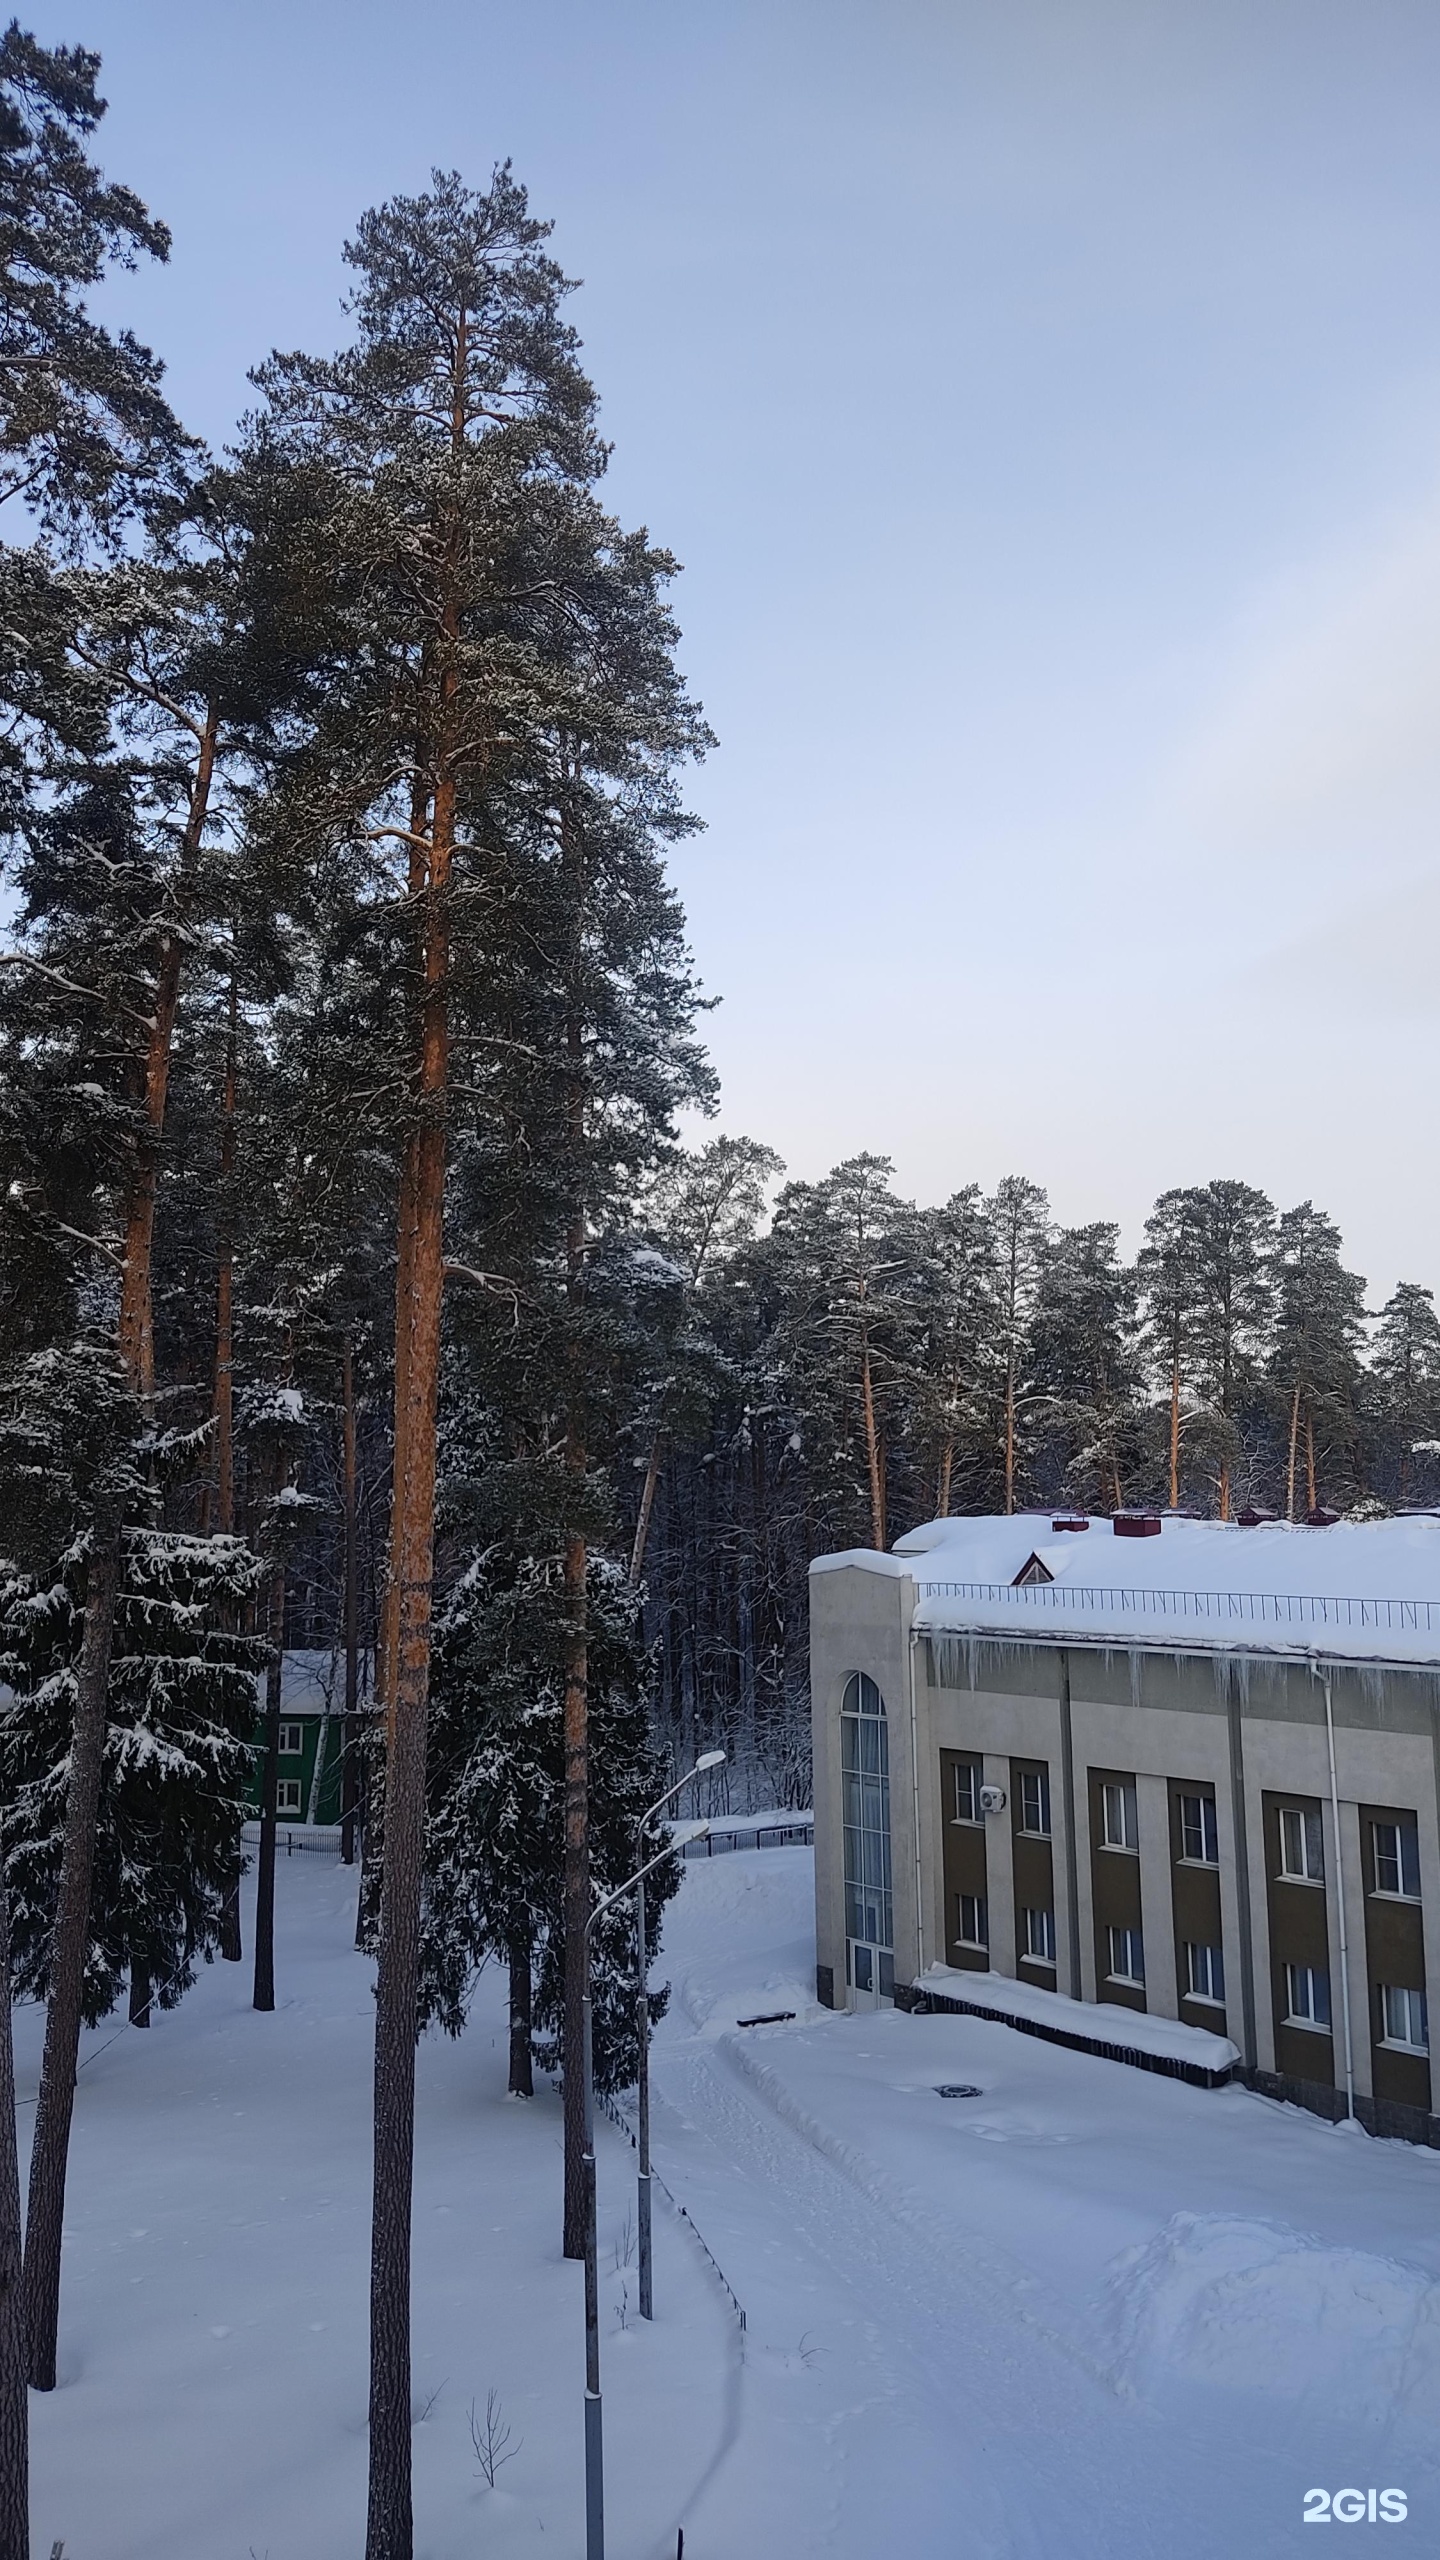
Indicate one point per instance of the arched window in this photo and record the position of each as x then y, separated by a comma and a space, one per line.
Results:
865, 1777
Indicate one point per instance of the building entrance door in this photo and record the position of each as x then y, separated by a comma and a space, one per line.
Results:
870, 1974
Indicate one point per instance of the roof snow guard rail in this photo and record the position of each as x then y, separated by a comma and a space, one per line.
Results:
923, 2003
1263, 1608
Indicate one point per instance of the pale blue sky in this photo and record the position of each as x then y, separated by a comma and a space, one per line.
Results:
1044, 400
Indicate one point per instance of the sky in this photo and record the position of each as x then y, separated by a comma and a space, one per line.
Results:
1043, 397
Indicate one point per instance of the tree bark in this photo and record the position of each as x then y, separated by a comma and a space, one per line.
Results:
1010, 1434
1175, 1434
522, 2079
349, 1729
264, 1994
139, 2003
137, 1316
577, 1883
1310, 1458
225, 1284
408, 1611
874, 1461
14, 2404
647, 1497
1291, 1460
947, 1469
64, 2007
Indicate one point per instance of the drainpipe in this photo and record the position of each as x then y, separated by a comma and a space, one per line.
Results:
1340, 1902
915, 1798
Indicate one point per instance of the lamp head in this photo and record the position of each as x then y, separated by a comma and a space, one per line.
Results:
710, 1760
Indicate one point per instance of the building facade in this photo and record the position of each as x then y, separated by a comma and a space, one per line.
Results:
1194, 1774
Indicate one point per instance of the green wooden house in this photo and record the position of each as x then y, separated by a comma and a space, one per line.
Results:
311, 1740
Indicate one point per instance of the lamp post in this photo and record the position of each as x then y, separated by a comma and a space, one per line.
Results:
594, 2436
707, 1760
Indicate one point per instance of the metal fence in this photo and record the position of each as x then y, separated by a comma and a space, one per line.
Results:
618, 2117
1246, 1608
775, 1835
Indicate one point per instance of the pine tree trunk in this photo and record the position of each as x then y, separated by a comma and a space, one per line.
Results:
225, 1285
1310, 1459
409, 1599
577, 1886
522, 2079
942, 1490
264, 1993
137, 1319
647, 1498
139, 2006
64, 2007
1010, 1435
1175, 1435
874, 1461
14, 2402
1294, 1445
349, 1790
1224, 1488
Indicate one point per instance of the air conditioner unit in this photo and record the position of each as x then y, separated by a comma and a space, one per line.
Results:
992, 1799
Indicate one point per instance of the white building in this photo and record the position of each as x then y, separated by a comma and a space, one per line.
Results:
1181, 1768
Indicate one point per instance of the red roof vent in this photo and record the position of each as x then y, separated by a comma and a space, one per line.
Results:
1253, 1518
1070, 1520
1136, 1524
1321, 1518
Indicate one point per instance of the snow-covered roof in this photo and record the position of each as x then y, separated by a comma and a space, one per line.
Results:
1362, 1590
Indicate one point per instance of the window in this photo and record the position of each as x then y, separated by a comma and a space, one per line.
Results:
287, 1796
1396, 1850
1205, 1974
1307, 1997
967, 1775
1039, 1936
865, 1785
292, 1741
1406, 2021
1127, 1954
1199, 1839
974, 1914
1302, 1856
1118, 1826
1035, 1801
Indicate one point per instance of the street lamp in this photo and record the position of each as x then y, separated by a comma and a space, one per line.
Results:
707, 1760
594, 2430
594, 2440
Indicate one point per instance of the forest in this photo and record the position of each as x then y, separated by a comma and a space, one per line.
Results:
360, 1290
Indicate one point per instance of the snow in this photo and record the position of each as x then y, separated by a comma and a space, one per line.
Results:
1101, 2021
1365, 1590
1086, 2311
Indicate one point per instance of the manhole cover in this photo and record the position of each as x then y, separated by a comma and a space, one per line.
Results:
957, 2089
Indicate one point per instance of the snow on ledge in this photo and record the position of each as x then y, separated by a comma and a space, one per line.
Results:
1097, 2021
867, 1560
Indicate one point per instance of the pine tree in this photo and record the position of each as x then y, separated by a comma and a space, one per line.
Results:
1086, 1363
1018, 1212
953, 1285
1225, 1231
1314, 1364
473, 748
1404, 1392
85, 433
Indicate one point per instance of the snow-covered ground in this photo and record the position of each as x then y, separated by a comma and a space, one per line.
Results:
1082, 2312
